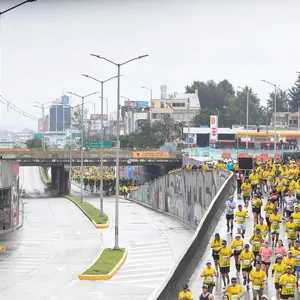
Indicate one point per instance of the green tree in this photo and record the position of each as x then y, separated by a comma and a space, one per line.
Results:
34, 143
294, 94
202, 118
282, 101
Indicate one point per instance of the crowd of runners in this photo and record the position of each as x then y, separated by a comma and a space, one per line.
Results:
268, 196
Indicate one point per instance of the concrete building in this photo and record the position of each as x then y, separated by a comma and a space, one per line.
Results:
181, 107
287, 120
59, 117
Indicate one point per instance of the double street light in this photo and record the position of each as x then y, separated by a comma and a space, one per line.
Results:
118, 65
275, 104
82, 138
102, 137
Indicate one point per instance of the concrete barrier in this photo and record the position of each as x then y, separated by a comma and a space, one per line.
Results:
197, 197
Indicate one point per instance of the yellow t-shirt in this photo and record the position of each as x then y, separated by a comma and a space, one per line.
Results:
279, 270
216, 244
296, 218
263, 229
296, 255
234, 292
288, 287
186, 295
254, 178
256, 242
280, 184
256, 202
240, 216
237, 244
268, 208
246, 258
269, 175
275, 220
225, 256
257, 278
290, 229
246, 189
209, 274
289, 262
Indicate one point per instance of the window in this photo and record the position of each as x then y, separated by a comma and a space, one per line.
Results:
162, 104
178, 105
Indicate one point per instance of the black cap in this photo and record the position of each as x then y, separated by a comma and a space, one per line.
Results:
185, 286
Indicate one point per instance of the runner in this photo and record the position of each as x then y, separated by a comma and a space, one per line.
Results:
296, 256
296, 218
234, 291
206, 295
239, 179
237, 247
269, 177
216, 245
290, 228
258, 278
254, 180
230, 207
274, 196
268, 208
280, 185
289, 260
277, 271
246, 192
185, 294
240, 219
275, 220
209, 273
280, 249
287, 283
289, 203
246, 257
225, 254
256, 240
266, 253
256, 204
263, 227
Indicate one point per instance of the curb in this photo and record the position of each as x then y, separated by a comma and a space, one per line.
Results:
98, 226
106, 276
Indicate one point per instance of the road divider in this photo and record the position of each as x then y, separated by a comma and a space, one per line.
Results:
92, 213
106, 265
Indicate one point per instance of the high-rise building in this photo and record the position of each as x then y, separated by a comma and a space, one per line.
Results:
59, 117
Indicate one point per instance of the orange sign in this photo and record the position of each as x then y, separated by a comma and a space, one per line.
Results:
213, 120
149, 154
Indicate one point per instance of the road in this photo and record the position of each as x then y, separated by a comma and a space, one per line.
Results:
57, 242
195, 282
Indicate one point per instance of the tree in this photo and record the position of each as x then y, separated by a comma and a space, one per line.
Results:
34, 143
77, 121
294, 94
282, 101
202, 118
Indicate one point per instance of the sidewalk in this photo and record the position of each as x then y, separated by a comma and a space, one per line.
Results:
154, 243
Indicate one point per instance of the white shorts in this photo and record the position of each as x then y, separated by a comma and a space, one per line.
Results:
241, 226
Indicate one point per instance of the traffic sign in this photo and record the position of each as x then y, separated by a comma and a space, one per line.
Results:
97, 144
76, 135
38, 136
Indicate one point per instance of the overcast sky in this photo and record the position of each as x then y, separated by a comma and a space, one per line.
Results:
46, 46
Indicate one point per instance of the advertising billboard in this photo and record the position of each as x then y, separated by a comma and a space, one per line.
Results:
149, 154
95, 117
141, 103
65, 100
213, 128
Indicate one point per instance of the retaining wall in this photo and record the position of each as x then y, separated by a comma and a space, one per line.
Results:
197, 198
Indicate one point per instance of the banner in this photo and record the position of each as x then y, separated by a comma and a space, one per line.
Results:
149, 154
213, 128
95, 117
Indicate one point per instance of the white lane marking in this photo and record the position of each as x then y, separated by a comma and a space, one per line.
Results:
149, 247
136, 281
140, 275
18, 266
150, 242
144, 254
155, 249
152, 258
62, 268
15, 271
20, 260
144, 269
133, 264
38, 242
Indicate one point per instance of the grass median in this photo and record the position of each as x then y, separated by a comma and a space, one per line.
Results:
90, 210
106, 262
45, 175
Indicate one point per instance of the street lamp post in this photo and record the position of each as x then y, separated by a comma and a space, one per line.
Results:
118, 65
15, 6
82, 138
275, 105
102, 137
42, 107
144, 87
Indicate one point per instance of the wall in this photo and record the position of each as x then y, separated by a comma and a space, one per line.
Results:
198, 198
186, 195
6, 173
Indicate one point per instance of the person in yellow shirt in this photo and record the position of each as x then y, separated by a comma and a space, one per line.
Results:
268, 208
185, 294
263, 227
269, 176
275, 220
237, 246
290, 229
225, 254
216, 245
289, 260
246, 192
256, 240
258, 278
297, 187
287, 282
292, 186
256, 204
280, 186
208, 273
240, 219
254, 179
296, 218
296, 255
234, 291
278, 270
246, 258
